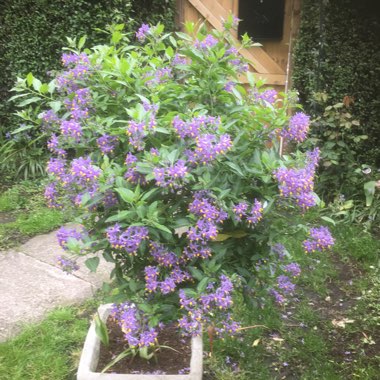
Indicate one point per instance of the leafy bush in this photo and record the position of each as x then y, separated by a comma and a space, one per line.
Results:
172, 167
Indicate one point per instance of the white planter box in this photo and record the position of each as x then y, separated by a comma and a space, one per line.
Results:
90, 357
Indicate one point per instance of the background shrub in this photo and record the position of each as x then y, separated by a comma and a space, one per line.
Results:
337, 53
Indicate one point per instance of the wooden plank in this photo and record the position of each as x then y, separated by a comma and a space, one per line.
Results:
260, 60
270, 79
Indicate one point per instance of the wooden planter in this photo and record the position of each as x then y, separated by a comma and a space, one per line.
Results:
90, 356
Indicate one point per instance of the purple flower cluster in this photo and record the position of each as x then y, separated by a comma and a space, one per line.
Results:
298, 127
293, 269
193, 127
209, 146
299, 183
129, 239
205, 229
200, 310
168, 284
72, 59
106, 143
172, 176
159, 76
133, 324
65, 234
279, 250
253, 216
320, 240
53, 146
71, 129
51, 194
49, 119
83, 172
178, 60
80, 68
142, 32
229, 86
77, 106
56, 167
67, 265
136, 132
208, 42
132, 175
267, 96
161, 254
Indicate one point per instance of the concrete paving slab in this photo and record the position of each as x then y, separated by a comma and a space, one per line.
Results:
29, 288
46, 248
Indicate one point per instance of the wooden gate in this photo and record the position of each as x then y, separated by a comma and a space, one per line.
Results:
271, 62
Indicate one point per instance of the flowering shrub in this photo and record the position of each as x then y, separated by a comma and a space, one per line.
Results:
173, 169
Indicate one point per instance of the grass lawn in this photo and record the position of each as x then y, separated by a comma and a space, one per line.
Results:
23, 214
331, 330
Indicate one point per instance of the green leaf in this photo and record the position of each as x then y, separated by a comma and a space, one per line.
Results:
328, 220
202, 285
22, 128
36, 84
126, 194
196, 273
92, 263
81, 42
101, 330
117, 359
369, 190
120, 216
29, 79
161, 227
24, 103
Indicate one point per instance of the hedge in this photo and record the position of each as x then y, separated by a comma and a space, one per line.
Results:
32, 33
338, 53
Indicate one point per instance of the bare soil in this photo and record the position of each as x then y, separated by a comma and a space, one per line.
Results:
166, 360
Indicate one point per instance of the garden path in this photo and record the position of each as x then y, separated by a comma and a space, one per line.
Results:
31, 283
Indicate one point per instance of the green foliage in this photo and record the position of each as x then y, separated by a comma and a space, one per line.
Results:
32, 33
337, 53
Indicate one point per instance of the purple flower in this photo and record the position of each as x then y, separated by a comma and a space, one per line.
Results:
178, 60
71, 128
173, 176
136, 132
51, 194
148, 338
83, 172
151, 275
293, 269
74, 59
208, 42
163, 257
53, 146
280, 250
56, 167
229, 86
65, 234
128, 240
142, 32
208, 147
279, 298
167, 286
240, 210
67, 265
298, 127
256, 213
106, 143
284, 283
320, 240
193, 127
268, 96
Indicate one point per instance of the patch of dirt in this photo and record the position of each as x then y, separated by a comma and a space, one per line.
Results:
6, 217
166, 360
